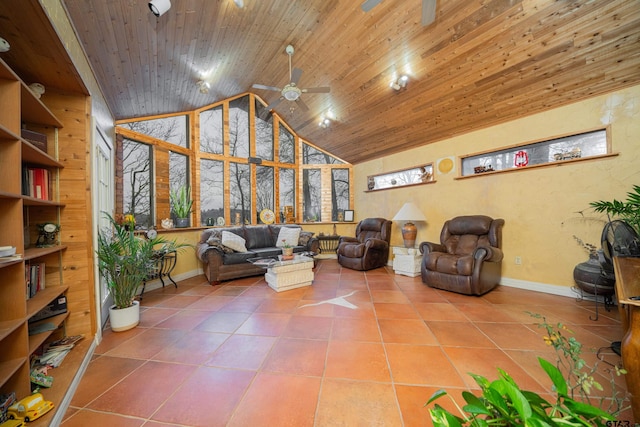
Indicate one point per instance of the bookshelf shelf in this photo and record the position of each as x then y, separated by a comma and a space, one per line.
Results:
37, 340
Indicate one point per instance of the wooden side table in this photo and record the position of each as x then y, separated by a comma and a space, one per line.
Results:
406, 261
627, 271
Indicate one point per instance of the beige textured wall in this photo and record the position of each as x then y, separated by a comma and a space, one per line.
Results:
540, 206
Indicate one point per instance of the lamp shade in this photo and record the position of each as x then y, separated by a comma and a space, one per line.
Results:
159, 7
409, 212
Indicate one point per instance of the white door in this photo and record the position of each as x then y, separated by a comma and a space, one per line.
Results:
103, 179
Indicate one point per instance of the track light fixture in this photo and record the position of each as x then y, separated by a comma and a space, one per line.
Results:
239, 3
399, 83
159, 7
203, 86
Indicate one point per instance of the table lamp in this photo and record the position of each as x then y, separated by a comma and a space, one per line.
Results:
410, 213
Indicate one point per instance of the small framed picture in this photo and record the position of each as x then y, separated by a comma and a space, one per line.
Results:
348, 216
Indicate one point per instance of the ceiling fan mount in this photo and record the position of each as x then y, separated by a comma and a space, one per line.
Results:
291, 91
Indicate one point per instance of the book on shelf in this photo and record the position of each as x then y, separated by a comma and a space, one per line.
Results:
35, 183
34, 277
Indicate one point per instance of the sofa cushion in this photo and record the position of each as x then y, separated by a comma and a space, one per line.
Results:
233, 241
267, 252
289, 235
258, 237
238, 258
305, 236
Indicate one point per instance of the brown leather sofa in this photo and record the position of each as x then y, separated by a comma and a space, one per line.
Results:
220, 263
468, 259
369, 249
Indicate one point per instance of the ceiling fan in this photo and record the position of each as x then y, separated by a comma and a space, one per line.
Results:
428, 9
291, 92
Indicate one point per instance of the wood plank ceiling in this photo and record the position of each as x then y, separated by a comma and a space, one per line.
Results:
480, 63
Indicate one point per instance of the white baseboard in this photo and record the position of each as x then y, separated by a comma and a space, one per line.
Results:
538, 287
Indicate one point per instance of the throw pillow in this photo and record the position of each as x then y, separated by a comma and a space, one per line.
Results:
305, 236
233, 241
289, 235
215, 243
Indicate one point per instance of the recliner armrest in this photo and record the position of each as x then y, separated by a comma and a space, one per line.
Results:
428, 247
348, 239
488, 253
373, 243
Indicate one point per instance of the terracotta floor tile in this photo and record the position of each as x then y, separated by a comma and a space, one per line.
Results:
412, 400
102, 374
293, 405
422, 365
242, 352
146, 344
395, 311
224, 322
356, 329
111, 339
438, 311
244, 304
406, 331
185, 319
86, 417
179, 301
211, 302
151, 316
357, 361
483, 313
156, 381
464, 334
194, 347
308, 327
389, 296
277, 306
268, 324
485, 361
512, 336
357, 403
297, 357
424, 295
207, 399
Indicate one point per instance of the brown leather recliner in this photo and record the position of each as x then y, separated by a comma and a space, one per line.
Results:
468, 259
369, 249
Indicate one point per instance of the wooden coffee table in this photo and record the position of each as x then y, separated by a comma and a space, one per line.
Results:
290, 274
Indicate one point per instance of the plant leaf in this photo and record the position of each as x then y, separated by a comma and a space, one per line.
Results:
436, 395
555, 375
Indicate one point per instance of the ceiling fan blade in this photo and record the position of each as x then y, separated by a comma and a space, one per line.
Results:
322, 89
370, 4
295, 75
302, 105
274, 104
428, 12
257, 86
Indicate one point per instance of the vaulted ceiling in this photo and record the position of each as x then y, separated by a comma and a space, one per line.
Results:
480, 63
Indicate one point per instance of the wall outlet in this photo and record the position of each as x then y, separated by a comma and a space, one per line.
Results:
518, 260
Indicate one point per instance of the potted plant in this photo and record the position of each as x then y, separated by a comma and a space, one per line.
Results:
124, 260
181, 204
287, 250
628, 210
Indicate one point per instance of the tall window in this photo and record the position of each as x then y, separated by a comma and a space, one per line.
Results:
240, 193
264, 132
287, 190
312, 194
339, 192
264, 188
178, 171
137, 180
212, 192
239, 127
211, 130
286, 141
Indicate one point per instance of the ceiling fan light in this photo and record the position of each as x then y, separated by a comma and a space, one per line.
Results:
159, 7
291, 94
203, 86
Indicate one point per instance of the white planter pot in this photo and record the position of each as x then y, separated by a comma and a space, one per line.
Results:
123, 319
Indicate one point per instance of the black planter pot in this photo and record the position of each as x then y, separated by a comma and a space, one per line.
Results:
182, 222
592, 278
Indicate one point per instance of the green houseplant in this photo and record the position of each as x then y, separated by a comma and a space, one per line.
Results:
181, 204
627, 210
124, 260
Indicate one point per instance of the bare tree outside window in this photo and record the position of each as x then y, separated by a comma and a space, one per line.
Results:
286, 141
239, 127
137, 182
264, 132
178, 173
240, 192
313, 156
264, 188
212, 130
339, 192
287, 190
312, 194
211, 190
170, 129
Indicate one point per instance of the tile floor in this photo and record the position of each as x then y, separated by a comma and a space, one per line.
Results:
240, 354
